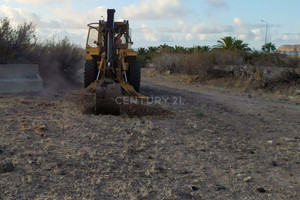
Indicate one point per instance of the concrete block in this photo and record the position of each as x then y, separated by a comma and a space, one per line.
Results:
18, 78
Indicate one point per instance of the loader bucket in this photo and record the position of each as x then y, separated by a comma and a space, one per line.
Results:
107, 93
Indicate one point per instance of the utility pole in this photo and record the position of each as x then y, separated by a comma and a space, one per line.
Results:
267, 27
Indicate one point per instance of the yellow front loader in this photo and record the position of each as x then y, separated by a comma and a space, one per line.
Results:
111, 67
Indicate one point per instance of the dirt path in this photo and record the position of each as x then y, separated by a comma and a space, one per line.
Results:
214, 145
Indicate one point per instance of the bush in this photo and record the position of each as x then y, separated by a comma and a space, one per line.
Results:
267, 69
272, 60
198, 62
182, 63
16, 44
19, 45
59, 57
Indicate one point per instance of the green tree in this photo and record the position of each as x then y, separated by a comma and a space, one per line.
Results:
142, 51
268, 47
152, 50
179, 49
16, 42
165, 47
232, 43
202, 48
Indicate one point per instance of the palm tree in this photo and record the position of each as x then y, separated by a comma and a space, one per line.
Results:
190, 50
239, 44
179, 49
142, 51
152, 50
142, 54
165, 47
202, 48
232, 43
268, 47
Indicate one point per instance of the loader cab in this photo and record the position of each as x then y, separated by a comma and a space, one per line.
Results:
123, 35
93, 38
96, 38
92, 43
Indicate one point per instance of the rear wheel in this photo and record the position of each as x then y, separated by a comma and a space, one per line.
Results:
134, 75
90, 72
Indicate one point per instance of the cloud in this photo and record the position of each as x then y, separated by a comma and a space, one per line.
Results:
247, 31
39, 1
154, 9
149, 34
45, 29
72, 19
182, 31
201, 28
18, 16
217, 3
291, 38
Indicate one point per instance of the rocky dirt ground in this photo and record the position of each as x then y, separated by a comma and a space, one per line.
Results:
203, 143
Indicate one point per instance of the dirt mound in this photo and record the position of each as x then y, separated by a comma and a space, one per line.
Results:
139, 110
85, 102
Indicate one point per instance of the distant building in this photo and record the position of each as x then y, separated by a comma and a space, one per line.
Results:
289, 49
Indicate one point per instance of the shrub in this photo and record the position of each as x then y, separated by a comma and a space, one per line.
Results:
272, 60
183, 63
19, 45
274, 69
16, 44
198, 62
60, 57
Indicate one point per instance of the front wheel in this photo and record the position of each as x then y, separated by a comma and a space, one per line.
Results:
134, 75
90, 72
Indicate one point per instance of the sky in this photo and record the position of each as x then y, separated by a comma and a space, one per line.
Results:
173, 22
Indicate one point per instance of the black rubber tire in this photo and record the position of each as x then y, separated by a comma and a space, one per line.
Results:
90, 72
134, 75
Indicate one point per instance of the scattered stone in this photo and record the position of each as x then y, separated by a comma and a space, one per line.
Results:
63, 173
261, 190
185, 172
286, 139
59, 165
274, 164
297, 92
159, 167
220, 187
168, 72
194, 188
251, 152
6, 167
291, 97
270, 142
247, 179
239, 175
250, 96
24, 137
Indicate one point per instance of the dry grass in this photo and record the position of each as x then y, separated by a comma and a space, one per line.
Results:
265, 71
197, 62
